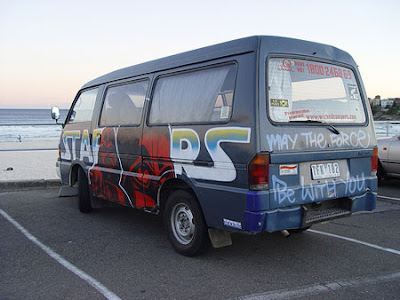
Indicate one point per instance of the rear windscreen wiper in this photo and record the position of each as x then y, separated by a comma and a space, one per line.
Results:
332, 128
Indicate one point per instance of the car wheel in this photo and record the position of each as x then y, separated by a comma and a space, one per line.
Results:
84, 203
186, 227
381, 174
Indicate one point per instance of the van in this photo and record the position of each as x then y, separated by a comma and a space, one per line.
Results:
260, 134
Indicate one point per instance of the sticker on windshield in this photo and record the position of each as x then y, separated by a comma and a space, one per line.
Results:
224, 112
279, 103
353, 92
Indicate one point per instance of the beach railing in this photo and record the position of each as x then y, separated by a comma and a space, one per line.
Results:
33, 124
387, 128
29, 148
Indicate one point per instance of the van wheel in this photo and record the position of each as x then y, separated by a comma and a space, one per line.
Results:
186, 227
84, 202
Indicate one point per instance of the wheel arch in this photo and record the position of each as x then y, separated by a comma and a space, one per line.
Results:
73, 173
382, 174
170, 186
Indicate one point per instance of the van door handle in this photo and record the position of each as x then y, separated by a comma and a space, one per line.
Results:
204, 163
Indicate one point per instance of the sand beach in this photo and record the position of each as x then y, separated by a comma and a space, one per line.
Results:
20, 162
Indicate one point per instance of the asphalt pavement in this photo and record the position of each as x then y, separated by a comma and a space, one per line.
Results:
49, 250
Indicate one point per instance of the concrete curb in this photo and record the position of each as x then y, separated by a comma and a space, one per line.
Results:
16, 185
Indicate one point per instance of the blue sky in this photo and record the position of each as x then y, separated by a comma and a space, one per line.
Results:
49, 49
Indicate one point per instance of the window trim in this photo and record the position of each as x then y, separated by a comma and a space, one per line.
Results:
312, 59
190, 70
130, 81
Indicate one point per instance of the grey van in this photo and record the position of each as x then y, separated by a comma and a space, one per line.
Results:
252, 135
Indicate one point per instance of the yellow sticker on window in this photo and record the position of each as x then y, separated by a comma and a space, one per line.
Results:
279, 103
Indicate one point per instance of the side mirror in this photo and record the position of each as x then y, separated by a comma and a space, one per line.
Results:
55, 113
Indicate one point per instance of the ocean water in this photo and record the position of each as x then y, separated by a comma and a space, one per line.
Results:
37, 124
29, 125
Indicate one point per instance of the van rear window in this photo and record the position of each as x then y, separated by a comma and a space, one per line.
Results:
301, 90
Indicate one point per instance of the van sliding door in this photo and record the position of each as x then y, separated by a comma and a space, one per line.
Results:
117, 172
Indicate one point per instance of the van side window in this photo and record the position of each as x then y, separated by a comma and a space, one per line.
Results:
83, 108
194, 97
123, 104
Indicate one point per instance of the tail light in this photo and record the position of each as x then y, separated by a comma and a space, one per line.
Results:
258, 172
374, 161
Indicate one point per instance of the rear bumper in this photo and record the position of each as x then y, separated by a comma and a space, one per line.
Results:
295, 216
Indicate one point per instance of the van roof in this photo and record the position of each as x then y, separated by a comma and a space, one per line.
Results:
244, 45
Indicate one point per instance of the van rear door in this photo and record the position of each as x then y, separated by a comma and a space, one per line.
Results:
317, 130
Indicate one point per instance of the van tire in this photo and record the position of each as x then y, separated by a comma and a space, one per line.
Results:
84, 203
185, 224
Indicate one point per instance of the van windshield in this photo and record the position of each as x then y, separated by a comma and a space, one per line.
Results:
302, 90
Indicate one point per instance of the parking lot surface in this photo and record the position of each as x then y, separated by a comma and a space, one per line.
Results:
48, 250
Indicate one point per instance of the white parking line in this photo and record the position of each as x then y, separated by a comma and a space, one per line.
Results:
331, 286
390, 198
397, 252
318, 288
66, 264
321, 287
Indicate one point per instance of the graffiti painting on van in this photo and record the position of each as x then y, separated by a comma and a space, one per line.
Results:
104, 183
156, 168
355, 139
69, 139
133, 185
312, 192
137, 184
70, 142
185, 148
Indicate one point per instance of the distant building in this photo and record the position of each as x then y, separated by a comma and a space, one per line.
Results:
376, 101
384, 103
387, 103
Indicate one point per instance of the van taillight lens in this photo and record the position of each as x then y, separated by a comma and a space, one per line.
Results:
259, 172
374, 161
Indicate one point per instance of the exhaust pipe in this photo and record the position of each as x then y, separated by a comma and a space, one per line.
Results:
285, 233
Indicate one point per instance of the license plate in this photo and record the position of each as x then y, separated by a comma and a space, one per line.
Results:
325, 170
